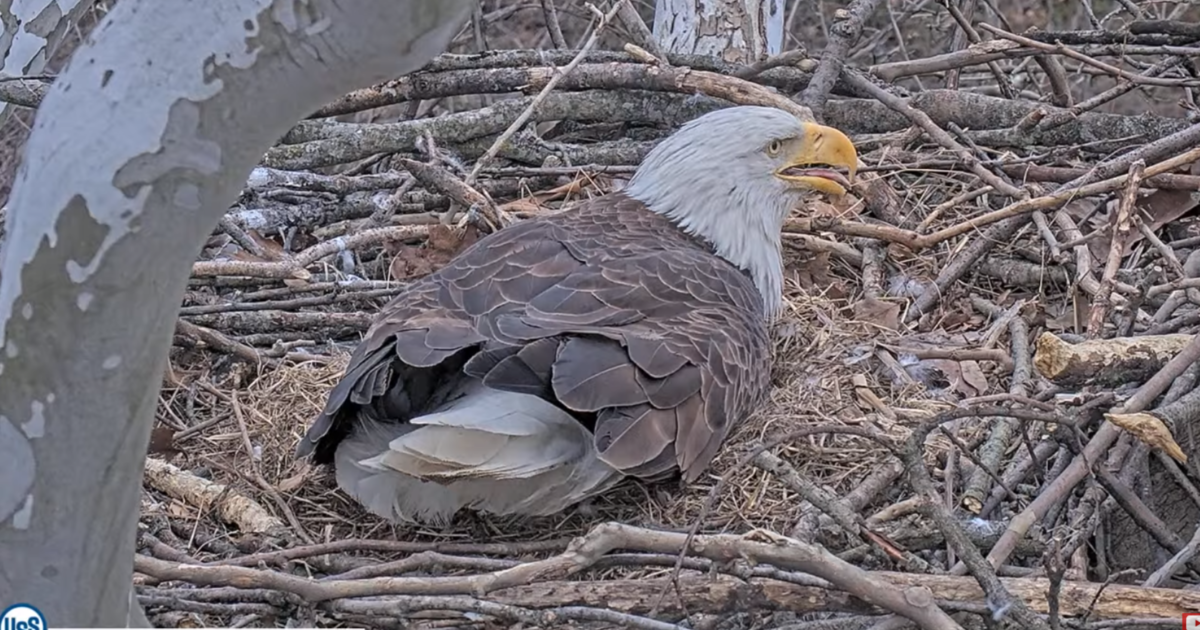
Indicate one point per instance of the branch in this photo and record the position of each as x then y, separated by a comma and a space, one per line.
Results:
912, 602
537, 584
844, 32
597, 30
230, 506
1075, 472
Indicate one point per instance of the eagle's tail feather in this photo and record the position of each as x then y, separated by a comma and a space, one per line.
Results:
486, 449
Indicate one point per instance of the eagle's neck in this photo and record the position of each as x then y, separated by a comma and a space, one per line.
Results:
743, 227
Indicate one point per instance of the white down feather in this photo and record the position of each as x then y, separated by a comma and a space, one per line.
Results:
486, 449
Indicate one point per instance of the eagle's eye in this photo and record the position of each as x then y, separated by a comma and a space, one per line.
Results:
774, 148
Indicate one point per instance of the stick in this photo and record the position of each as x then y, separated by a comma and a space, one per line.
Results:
228, 505
604, 19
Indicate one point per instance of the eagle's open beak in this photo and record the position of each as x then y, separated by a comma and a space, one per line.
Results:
826, 161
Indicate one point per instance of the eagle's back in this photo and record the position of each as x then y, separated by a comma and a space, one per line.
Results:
607, 310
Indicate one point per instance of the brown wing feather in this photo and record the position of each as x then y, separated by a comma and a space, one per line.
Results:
607, 310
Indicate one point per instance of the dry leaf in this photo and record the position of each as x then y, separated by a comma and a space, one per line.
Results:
843, 207
519, 206
444, 239
1151, 430
879, 312
963, 377
812, 270
1162, 207
179, 509
960, 316
272, 248
973, 375
295, 481
442, 245
408, 263
568, 188
1165, 206
162, 442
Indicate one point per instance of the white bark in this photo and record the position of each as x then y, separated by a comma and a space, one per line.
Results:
738, 31
140, 145
30, 32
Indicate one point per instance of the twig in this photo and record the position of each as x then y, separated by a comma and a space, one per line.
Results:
913, 603
1003, 429
843, 33
939, 135
1077, 470
999, 598
966, 30
602, 21
220, 343
786, 58
425, 560
230, 506
240, 237
334, 295
1063, 117
256, 472
643, 36
394, 546
1181, 559
555, 29
1120, 239
1078, 56
295, 268
443, 181
915, 241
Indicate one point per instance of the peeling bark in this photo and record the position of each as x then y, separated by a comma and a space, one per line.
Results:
737, 31
30, 31
139, 147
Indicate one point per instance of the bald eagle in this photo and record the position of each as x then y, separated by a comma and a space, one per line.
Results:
622, 337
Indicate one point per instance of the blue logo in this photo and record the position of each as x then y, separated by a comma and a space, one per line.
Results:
22, 617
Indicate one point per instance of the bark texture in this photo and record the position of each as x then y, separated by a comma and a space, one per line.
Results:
32, 30
30, 47
139, 147
736, 31
1111, 362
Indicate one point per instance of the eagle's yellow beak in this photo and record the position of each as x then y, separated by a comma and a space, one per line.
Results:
823, 150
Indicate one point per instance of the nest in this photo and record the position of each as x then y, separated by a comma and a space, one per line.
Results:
278, 402
921, 417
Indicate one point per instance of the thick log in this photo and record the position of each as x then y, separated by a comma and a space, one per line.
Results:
1105, 362
725, 594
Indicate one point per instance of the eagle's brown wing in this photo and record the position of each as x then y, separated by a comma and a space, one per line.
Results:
607, 310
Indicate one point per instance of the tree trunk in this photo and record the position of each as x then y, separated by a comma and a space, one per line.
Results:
738, 31
141, 144
31, 31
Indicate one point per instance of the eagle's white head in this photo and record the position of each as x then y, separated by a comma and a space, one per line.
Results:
733, 175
